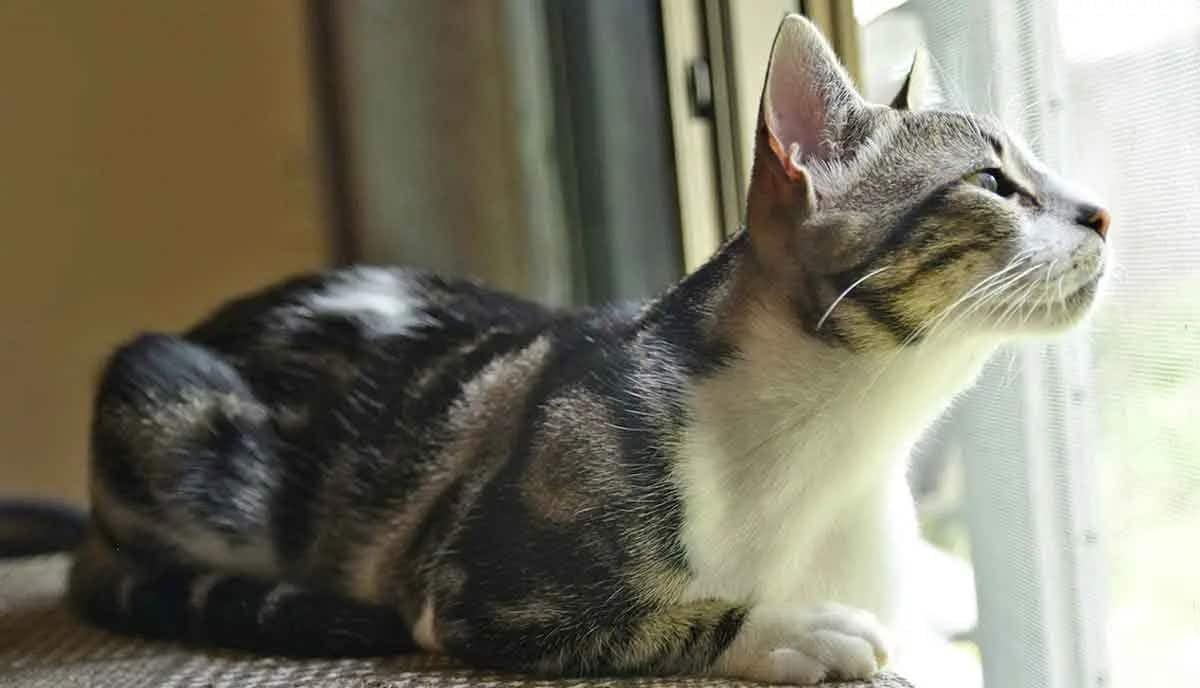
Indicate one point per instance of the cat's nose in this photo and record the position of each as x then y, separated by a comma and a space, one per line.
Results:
1095, 218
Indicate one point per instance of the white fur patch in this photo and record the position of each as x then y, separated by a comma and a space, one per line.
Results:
381, 298
832, 641
794, 478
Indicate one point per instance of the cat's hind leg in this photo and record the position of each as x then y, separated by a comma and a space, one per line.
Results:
184, 456
227, 610
185, 468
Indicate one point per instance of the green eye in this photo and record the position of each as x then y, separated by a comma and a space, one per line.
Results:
984, 179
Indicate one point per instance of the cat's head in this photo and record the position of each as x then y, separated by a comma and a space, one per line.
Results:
885, 226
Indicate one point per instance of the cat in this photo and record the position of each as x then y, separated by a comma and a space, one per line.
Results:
375, 460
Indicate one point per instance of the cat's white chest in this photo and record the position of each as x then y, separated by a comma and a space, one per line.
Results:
792, 473
831, 535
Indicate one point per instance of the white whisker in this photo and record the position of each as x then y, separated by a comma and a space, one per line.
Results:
983, 285
1062, 301
841, 296
1016, 304
929, 327
994, 293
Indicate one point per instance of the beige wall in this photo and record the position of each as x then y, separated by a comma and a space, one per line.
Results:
155, 157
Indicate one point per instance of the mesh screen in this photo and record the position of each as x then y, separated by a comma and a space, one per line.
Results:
1109, 93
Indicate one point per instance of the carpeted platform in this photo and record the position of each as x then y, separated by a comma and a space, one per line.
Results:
42, 646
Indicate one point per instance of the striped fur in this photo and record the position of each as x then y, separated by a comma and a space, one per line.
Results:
376, 459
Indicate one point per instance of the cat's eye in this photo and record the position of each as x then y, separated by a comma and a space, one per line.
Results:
993, 180
984, 179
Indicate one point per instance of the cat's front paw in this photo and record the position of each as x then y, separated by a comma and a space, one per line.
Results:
829, 642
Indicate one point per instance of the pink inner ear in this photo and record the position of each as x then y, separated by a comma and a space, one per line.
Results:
794, 112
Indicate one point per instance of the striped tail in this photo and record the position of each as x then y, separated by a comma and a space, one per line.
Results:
29, 528
231, 611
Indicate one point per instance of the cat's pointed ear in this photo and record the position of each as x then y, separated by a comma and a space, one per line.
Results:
915, 91
806, 97
807, 100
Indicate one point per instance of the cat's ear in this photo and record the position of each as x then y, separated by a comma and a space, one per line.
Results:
806, 96
806, 101
915, 91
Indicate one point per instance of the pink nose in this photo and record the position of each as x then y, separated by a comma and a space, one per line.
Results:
1098, 219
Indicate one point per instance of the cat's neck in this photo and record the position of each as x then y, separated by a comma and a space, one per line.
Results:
789, 389
783, 395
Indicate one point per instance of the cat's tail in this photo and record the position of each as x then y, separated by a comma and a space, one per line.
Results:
233, 611
33, 527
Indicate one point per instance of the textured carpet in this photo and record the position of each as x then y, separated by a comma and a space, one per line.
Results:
42, 646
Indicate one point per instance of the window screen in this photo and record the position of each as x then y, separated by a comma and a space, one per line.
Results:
1071, 476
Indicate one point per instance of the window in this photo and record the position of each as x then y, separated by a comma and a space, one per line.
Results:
1070, 477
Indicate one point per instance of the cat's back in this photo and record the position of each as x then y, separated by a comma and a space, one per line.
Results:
310, 341
369, 303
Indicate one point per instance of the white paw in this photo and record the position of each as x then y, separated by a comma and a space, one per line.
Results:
829, 642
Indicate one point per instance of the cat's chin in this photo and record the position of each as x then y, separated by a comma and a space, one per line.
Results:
1061, 315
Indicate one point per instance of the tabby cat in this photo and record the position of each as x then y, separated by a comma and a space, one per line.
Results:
375, 460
